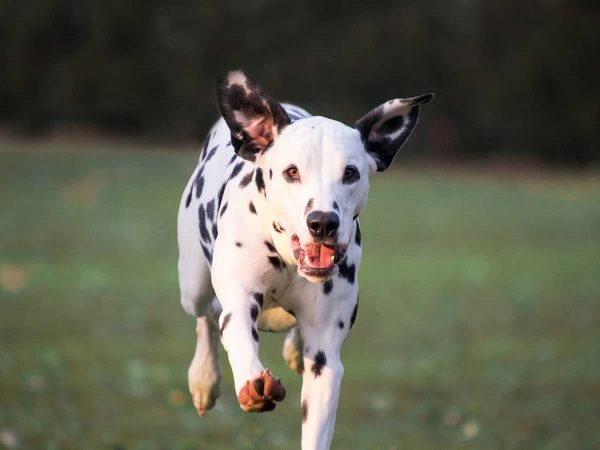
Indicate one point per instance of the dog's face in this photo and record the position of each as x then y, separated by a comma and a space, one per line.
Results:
315, 170
318, 177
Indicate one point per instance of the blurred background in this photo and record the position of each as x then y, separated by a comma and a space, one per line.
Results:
480, 288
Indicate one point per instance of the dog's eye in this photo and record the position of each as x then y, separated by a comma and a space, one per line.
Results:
350, 175
291, 174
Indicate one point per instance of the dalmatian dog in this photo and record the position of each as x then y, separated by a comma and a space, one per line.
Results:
269, 240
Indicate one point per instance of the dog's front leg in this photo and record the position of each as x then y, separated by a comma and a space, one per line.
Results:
323, 330
256, 388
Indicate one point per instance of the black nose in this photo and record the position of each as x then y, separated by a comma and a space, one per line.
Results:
323, 224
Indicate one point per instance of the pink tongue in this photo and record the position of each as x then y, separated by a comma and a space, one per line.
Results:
319, 256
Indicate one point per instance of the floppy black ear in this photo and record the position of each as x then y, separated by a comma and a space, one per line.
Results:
384, 129
254, 118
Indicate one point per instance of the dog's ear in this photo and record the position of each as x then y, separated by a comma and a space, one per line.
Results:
254, 118
384, 129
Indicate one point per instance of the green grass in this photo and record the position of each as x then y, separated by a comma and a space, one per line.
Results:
479, 324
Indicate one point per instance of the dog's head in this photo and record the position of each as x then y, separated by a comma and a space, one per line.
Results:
315, 171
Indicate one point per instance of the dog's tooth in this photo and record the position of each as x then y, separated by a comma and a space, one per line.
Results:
332, 258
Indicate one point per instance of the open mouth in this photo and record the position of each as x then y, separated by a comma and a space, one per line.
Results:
317, 259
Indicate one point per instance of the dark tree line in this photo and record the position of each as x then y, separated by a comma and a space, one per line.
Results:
511, 78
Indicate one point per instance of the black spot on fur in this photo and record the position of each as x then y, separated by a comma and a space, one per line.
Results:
246, 179
236, 169
207, 253
276, 262
233, 158
238, 244
220, 195
199, 186
335, 206
211, 153
215, 230
202, 223
320, 362
271, 247
255, 334
254, 312
223, 209
327, 287
270, 174
347, 271
340, 324
259, 298
252, 208
260, 181
225, 322
188, 200
278, 228
309, 206
358, 237
198, 183
354, 313
304, 411
210, 210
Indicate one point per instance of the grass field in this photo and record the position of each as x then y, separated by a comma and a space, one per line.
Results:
479, 325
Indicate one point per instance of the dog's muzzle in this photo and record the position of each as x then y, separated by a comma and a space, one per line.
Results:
317, 259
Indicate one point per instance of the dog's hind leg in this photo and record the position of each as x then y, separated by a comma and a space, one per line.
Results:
292, 351
204, 374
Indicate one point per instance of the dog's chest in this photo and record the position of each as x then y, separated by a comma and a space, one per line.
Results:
277, 313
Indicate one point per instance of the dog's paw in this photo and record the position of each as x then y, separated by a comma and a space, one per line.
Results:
261, 393
204, 396
203, 382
